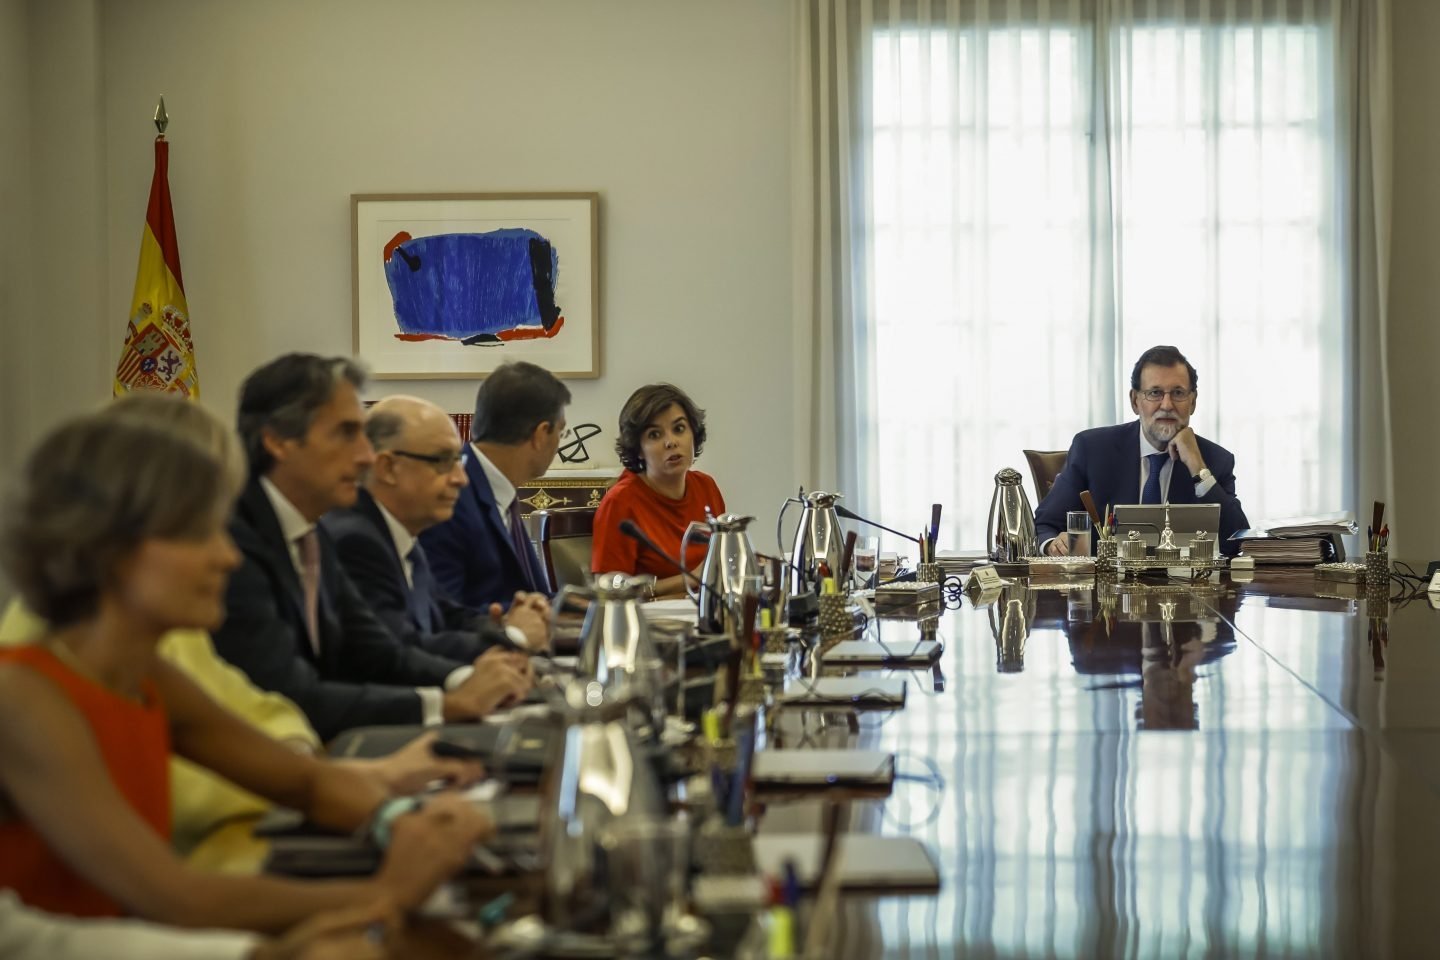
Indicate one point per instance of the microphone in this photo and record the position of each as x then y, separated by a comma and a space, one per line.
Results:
629, 528
852, 515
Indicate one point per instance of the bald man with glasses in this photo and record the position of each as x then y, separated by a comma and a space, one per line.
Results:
414, 483
1155, 459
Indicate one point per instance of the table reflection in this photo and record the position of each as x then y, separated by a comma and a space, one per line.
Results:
1157, 772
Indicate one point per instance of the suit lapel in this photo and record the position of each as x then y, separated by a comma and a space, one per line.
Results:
255, 508
1126, 456
370, 510
489, 510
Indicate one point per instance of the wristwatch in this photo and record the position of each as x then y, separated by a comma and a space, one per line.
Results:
1204, 476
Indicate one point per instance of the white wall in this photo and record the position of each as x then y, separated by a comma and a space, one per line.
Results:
15, 288
676, 111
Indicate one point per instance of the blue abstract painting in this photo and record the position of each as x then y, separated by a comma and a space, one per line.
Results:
474, 288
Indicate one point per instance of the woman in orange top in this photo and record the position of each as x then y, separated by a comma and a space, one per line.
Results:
117, 536
661, 434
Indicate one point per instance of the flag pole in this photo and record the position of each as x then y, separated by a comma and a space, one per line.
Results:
162, 119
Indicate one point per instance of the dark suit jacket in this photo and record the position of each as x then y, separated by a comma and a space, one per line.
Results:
471, 554
363, 675
367, 552
1106, 461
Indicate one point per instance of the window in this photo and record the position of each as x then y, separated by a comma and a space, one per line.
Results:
1033, 229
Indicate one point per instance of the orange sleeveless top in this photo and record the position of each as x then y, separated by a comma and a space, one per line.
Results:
134, 741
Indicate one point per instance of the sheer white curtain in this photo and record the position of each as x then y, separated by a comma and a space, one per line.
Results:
1023, 196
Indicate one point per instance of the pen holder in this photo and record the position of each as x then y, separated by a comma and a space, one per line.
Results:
753, 690
1106, 551
929, 573
1377, 570
720, 848
835, 619
776, 640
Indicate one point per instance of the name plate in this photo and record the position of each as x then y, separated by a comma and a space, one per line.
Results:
985, 578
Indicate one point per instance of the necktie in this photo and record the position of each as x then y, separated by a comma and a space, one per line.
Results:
422, 590
309, 545
521, 543
1151, 493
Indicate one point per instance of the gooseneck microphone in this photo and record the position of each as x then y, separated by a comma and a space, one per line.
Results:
631, 530
852, 515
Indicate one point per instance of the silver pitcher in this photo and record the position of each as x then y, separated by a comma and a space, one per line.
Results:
1011, 528
729, 573
819, 537
615, 646
602, 779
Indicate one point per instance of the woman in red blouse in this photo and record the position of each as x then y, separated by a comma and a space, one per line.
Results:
115, 537
661, 434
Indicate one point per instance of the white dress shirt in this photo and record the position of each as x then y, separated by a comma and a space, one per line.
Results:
500, 486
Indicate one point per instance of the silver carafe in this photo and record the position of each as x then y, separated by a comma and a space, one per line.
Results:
729, 572
1011, 528
818, 538
615, 646
602, 779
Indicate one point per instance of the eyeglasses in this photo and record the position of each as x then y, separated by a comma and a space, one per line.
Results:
442, 463
1177, 396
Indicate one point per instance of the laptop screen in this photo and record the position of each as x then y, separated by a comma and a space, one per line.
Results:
1186, 519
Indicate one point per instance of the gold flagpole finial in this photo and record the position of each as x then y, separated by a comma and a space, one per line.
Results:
162, 119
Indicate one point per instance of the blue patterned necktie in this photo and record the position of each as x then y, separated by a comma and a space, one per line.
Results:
422, 590
1151, 493
521, 542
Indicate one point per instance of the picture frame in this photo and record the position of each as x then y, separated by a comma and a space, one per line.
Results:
451, 285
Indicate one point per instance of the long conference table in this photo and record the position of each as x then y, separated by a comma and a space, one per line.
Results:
1234, 769
1159, 770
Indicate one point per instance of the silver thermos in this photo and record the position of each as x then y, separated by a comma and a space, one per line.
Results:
1011, 528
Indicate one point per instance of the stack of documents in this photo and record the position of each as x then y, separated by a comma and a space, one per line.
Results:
1298, 540
957, 563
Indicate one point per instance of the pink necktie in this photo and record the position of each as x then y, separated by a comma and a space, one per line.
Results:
310, 579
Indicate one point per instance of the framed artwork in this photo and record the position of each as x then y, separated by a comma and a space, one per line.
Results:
453, 285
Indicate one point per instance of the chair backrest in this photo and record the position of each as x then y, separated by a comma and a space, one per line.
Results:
1045, 466
566, 536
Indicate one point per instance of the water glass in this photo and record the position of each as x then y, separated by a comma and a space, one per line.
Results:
1077, 528
867, 560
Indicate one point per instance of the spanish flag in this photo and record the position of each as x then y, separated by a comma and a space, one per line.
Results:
159, 354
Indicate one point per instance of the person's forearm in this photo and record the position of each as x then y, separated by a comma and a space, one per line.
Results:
342, 796
670, 587
262, 904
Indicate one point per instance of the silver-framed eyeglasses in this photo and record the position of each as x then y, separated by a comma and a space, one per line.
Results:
441, 462
1177, 396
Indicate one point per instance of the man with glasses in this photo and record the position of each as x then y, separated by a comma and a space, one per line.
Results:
1156, 459
294, 621
418, 474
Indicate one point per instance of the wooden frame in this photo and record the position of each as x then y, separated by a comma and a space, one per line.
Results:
451, 285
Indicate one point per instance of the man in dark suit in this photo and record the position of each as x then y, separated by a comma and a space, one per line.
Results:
418, 474
483, 554
294, 621
1156, 459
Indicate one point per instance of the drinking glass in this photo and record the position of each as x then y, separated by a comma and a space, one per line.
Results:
1077, 527
867, 559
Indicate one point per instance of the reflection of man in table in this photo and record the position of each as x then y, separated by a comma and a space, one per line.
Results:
1155, 459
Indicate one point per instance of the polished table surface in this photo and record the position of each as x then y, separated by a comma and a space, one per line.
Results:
1236, 769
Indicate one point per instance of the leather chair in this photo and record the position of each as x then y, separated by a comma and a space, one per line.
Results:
566, 537
1045, 466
